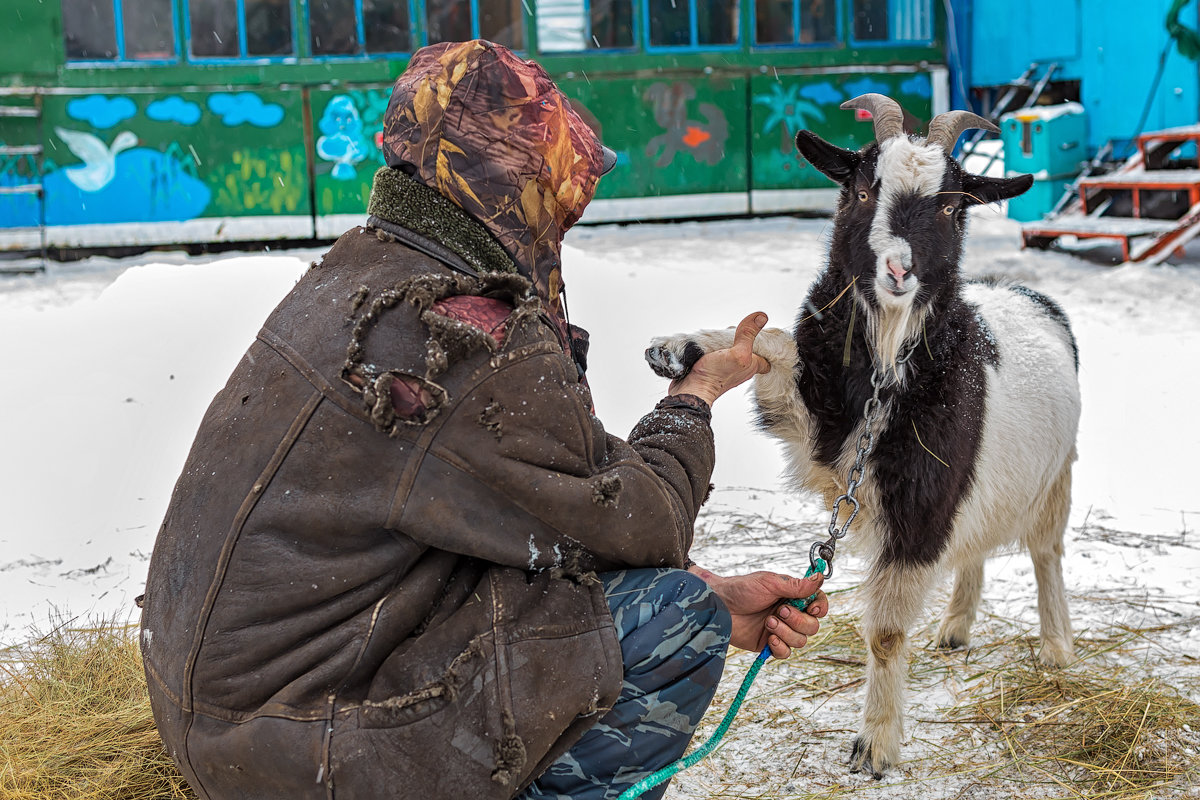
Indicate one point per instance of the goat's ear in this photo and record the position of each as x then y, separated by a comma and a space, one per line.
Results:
836, 163
980, 189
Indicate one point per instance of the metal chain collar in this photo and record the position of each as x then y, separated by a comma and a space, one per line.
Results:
854, 478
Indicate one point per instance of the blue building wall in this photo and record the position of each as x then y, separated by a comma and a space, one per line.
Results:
1112, 47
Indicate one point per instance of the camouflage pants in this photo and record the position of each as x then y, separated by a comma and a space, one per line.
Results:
674, 633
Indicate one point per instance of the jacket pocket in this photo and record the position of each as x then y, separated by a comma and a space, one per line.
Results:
446, 739
466, 676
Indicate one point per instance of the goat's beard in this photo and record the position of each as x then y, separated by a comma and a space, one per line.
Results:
891, 323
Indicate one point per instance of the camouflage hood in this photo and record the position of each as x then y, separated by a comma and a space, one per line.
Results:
493, 134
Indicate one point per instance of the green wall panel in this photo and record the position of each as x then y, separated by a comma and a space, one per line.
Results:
347, 126
150, 157
32, 44
673, 135
783, 104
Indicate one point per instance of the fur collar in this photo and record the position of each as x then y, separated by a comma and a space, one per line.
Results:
403, 206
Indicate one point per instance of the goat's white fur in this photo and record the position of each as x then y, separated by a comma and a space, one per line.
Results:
1021, 491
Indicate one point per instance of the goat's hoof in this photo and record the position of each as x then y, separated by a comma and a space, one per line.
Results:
1055, 656
866, 758
952, 642
672, 358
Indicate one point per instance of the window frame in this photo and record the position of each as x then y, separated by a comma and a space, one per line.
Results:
693, 33
892, 42
243, 57
796, 44
474, 4
120, 59
361, 33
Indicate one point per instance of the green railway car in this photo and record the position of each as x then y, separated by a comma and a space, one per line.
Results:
131, 123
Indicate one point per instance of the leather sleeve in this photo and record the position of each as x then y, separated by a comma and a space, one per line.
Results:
524, 475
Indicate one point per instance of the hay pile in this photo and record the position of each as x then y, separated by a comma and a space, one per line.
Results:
990, 723
75, 720
1098, 729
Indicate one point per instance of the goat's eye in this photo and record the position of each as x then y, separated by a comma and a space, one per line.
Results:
863, 196
948, 210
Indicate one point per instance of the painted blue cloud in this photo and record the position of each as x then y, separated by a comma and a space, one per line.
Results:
918, 85
174, 109
866, 86
245, 107
101, 111
821, 93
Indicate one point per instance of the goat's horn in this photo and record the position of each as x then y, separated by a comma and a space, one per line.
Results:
885, 113
945, 128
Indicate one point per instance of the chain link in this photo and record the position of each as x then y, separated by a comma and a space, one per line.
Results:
854, 478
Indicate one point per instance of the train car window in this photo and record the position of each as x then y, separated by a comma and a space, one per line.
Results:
333, 27
670, 23
716, 22
358, 27
794, 22
893, 20
149, 30
214, 28
119, 30
500, 21
572, 25
448, 21
387, 26
612, 24
89, 30
773, 22
269, 28
692, 23
241, 28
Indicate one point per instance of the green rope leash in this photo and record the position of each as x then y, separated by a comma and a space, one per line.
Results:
665, 774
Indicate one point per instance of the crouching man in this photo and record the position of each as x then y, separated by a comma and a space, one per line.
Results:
404, 559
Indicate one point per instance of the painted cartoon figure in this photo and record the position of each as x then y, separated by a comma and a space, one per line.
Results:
704, 140
99, 160
343, 141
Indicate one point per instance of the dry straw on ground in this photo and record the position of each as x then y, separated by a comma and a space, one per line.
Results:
75, 723
1105, 728
75, 720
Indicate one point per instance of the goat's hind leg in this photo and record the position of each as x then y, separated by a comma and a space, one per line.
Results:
895, 597
1045, 542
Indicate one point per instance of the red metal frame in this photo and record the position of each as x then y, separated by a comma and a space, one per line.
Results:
1120, 181
1054, 233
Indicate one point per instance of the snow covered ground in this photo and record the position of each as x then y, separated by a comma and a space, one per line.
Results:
107, 366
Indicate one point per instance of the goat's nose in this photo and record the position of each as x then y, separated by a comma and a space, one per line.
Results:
897, 270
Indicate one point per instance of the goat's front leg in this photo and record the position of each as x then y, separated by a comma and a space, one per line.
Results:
895, 595
674, 356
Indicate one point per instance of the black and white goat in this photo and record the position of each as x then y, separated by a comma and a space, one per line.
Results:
975, 435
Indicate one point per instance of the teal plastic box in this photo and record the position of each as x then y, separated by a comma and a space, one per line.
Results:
1047, 141
1039, 200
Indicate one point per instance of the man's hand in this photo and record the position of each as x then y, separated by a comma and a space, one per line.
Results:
721, 370
761, 614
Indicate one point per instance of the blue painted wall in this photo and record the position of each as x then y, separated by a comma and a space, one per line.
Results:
1112, 47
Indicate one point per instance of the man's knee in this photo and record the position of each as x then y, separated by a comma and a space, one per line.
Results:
681, 626
708, 611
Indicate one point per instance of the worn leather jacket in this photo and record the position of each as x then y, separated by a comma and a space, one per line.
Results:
376, 576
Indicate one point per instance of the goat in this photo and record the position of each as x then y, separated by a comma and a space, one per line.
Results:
978, 399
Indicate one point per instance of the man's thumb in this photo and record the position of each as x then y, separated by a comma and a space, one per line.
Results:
749, 328
803, 587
